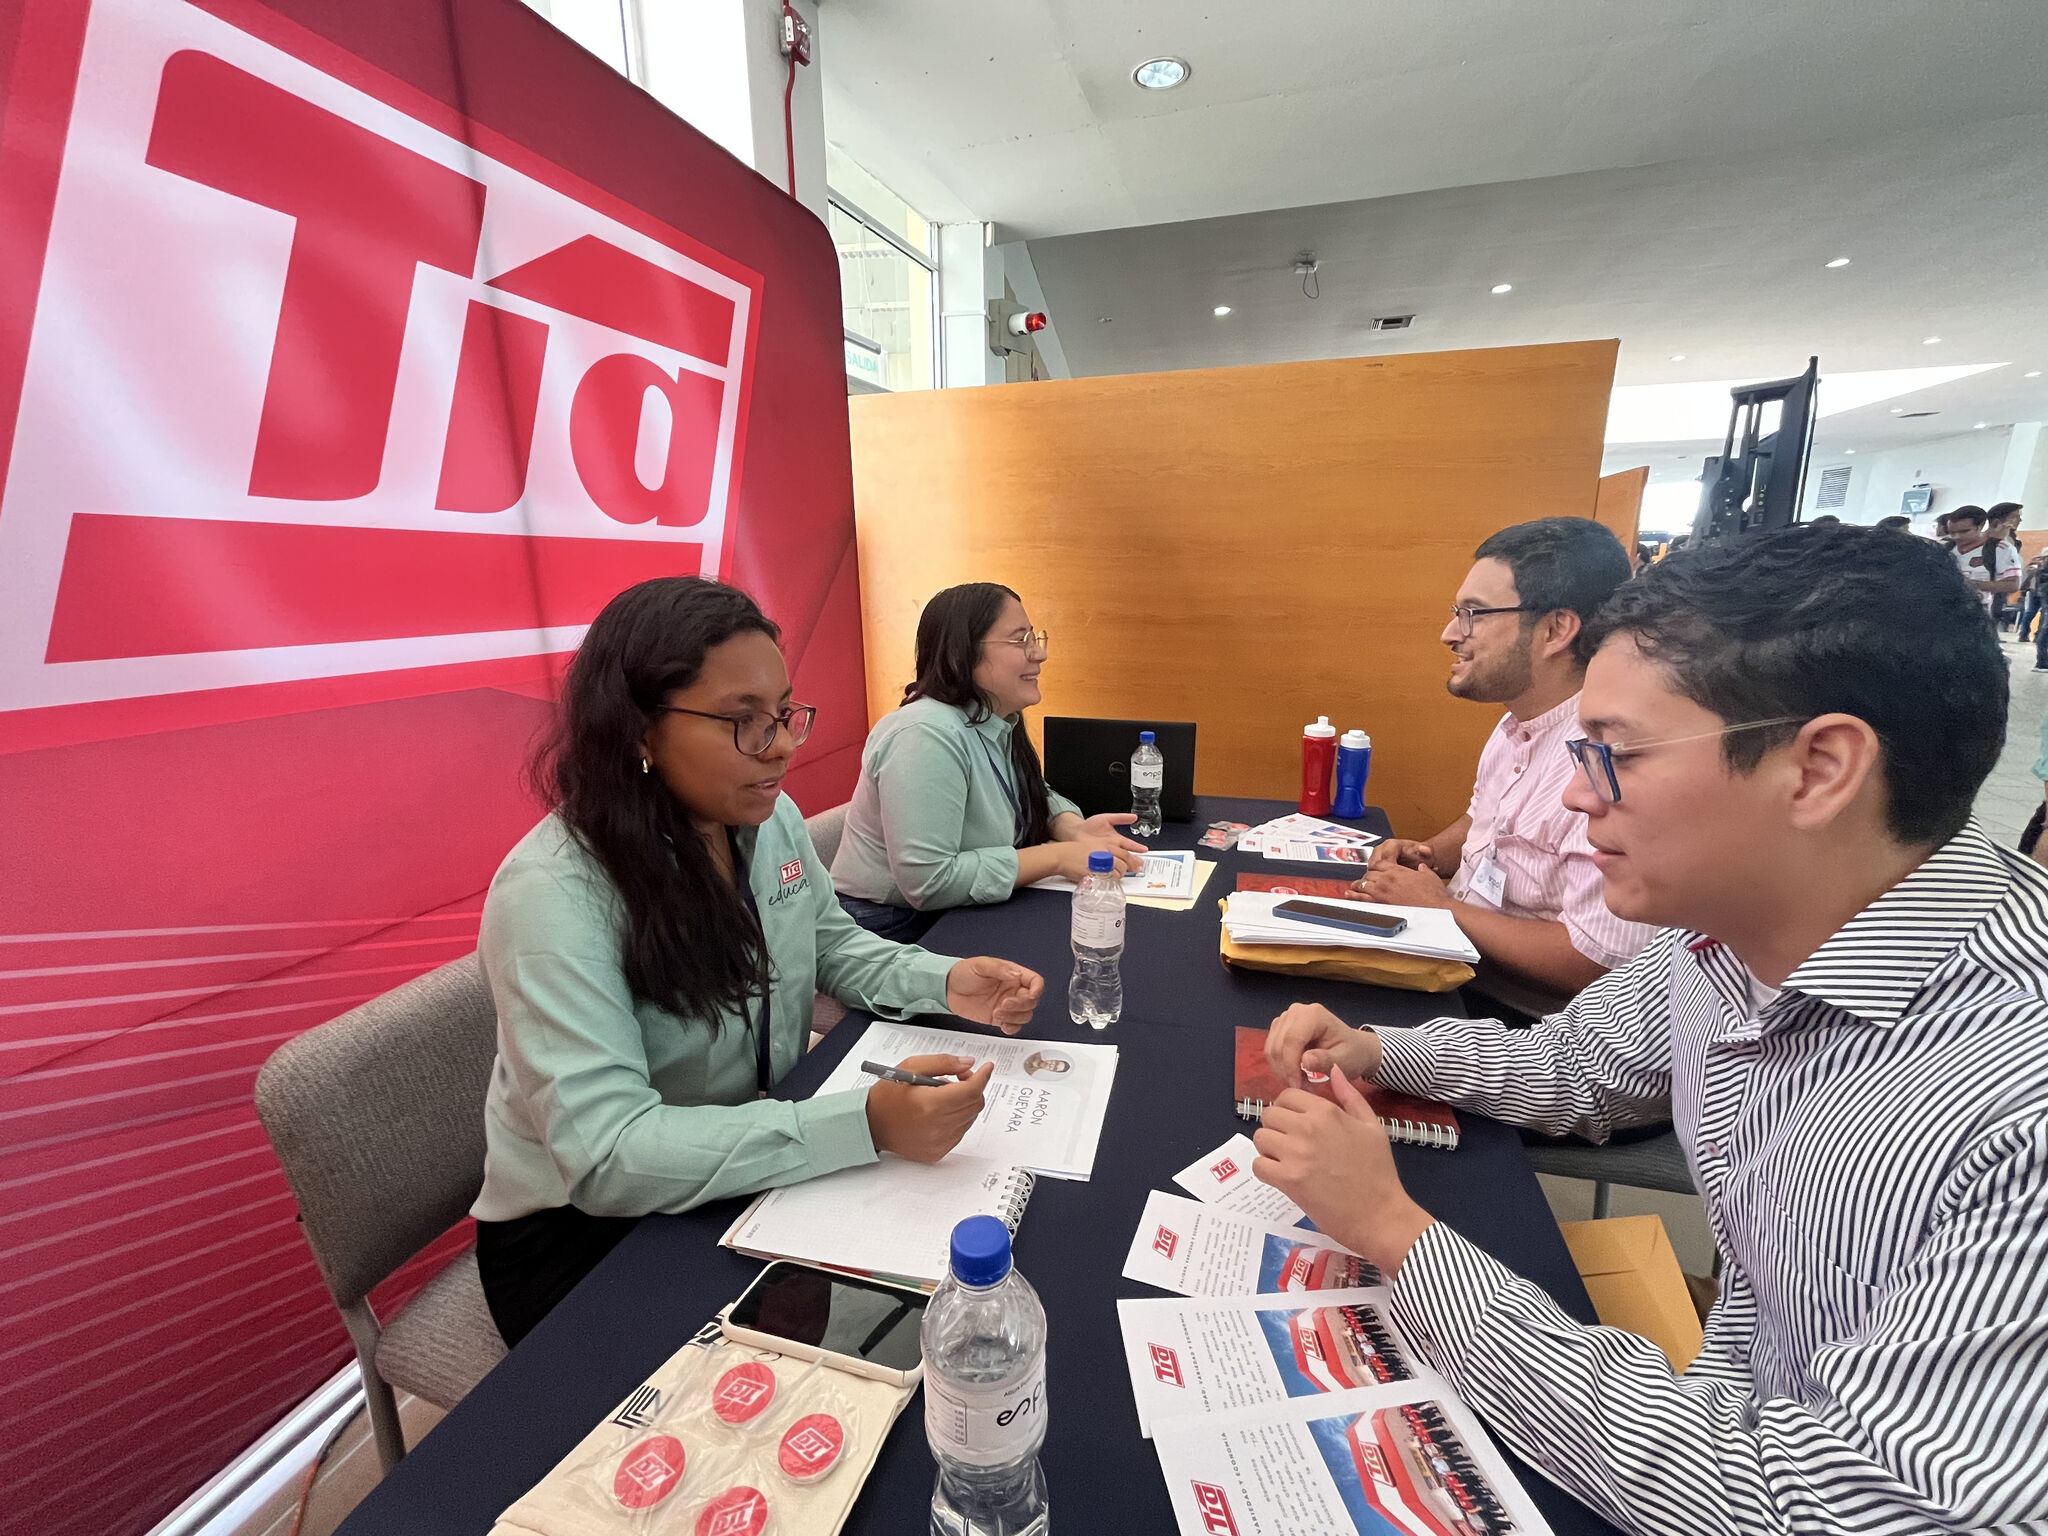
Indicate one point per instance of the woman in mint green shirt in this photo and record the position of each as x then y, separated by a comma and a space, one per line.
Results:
952, 808
653, 946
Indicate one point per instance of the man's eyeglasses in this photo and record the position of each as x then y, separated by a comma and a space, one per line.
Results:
1596, 758
1030, 640
754, 732
1462, 614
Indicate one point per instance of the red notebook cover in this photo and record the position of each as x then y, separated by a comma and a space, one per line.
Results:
1409, 1119
1299, 885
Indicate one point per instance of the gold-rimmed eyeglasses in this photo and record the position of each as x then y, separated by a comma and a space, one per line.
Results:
1030, 640
754, 732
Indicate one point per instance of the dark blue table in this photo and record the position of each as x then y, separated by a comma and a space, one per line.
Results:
1172, 1102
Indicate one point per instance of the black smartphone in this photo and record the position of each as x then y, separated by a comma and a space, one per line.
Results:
863, 1321
1333, 915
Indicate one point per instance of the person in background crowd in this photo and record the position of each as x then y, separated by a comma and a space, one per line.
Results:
1516, 869
1844, 1015
653, 947
1898, 522
1989, 566
2033, 597
952, 808
2002, 526
1941, 528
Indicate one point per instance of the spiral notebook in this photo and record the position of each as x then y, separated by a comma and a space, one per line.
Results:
891, 1219
1421, 1122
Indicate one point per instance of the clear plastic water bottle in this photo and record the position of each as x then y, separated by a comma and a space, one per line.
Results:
1095, 996
984, 1390
1148, 773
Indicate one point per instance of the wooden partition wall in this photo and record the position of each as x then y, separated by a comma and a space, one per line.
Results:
1246, 548
1619, 505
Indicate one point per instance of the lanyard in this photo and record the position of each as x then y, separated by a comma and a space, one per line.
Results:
1017, 820
764, 1066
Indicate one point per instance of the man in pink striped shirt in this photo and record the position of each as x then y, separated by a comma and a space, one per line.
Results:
1516, 869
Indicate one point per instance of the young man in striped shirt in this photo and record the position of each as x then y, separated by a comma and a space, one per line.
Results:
1846, 1021
1516, 870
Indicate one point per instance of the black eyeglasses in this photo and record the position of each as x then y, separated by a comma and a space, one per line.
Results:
754, 732
1462, 614
1596, 758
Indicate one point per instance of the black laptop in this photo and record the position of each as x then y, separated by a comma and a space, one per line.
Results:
1089, 761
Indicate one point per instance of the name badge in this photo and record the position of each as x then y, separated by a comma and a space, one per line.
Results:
1489, 881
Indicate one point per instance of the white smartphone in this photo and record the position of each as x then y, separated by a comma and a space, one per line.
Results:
863, 1326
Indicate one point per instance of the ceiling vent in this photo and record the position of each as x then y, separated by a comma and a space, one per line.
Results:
1392, 322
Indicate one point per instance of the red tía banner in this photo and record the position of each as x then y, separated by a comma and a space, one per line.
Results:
351, 358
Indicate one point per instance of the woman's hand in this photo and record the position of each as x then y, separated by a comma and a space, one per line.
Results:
1099, 829
1310, 1038
1071, 858
924, 1124
992, 991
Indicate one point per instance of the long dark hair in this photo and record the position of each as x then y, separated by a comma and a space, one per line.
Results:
949, 636
691, 945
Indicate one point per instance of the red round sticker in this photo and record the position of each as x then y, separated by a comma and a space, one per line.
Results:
810, 1447
735, 1512
648, 1472
743, 1393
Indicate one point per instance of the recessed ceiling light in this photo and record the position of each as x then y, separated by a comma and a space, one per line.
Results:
1898, 410
2034, 375
1161, 74
1503, 287
1222, 309
1678, 357
1848, 450
1839, 261
1930, 341
1979, 426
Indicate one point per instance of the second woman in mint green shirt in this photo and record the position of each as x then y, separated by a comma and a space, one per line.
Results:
952, 808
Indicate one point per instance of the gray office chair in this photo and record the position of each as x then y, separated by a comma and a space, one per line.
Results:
826, 829
378, 1118
1655, 1162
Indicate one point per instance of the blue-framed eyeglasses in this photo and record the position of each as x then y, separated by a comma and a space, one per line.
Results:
1596, 758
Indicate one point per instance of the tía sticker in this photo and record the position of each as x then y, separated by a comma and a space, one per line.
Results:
811, 1447
743, 1393
735, 1512
649, 1472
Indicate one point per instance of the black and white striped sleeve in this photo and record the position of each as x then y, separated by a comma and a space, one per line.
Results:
1930, 1415
1602, 1065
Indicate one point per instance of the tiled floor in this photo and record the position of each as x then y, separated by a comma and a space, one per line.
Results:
2011, 793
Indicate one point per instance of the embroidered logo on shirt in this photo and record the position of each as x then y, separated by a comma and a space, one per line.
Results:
793, 870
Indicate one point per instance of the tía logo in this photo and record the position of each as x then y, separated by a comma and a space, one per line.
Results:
793, 870
1224, 1171
743, 1392
1213, 1505
1311, 1341
430, 398
736, 1512
1374, 1461
1164, 1241
648, 1471
1300, 1274
1166, 1365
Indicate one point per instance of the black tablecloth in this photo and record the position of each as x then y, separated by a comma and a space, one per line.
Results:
1172, 1102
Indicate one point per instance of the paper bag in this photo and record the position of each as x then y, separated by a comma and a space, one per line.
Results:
1374, 967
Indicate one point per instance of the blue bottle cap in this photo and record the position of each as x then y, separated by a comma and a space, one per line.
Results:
1100, 862
1145, 738
981, 1251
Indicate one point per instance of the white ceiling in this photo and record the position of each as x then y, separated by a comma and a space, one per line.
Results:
1022, 112
1674, 173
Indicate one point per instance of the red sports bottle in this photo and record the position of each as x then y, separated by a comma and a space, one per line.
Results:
1318, 762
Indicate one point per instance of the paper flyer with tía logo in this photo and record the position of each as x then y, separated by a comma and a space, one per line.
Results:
1215, 1354
1194, 1249
1403, 1460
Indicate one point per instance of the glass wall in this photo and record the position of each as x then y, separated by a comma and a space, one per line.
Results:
888, 292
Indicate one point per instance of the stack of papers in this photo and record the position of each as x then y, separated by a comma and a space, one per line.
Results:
1169, 875
1249, 918
1306, 840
